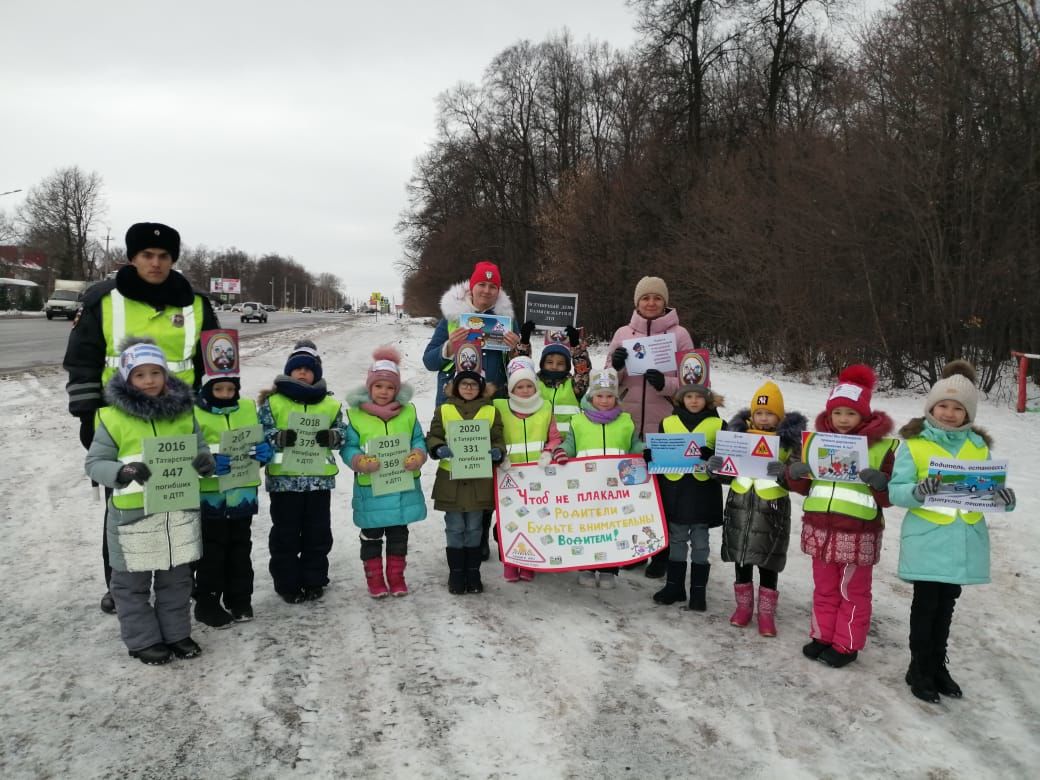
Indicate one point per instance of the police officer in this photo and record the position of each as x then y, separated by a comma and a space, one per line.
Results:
146, 298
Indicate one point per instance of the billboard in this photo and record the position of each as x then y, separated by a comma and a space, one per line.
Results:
229, 286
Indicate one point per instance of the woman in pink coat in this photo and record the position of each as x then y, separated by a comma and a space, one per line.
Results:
648, 397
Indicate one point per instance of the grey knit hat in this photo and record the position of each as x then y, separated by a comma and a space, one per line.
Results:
957, 384
651, 284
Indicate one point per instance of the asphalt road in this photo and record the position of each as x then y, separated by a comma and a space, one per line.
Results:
36, 342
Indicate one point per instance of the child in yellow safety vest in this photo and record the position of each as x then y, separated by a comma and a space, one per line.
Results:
225, 570
561, 388
602, 428
148, 551
530, 432
383, 408
301, 503
843, 521
467, 397
941, 548
756, 525
692, 502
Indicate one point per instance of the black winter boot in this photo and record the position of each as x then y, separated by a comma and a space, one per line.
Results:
209, 611
456, 569
184, 648
658, 567
699, 587
921, 677
945, 684
473, 558
675, 586
156, 655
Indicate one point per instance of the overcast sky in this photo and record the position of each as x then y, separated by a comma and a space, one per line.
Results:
286, 127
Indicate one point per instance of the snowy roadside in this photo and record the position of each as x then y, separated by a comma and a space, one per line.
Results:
537, 679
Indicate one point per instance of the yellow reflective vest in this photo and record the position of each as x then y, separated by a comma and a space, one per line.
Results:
175, 330
853, 499
128, 432
708, 426
213, 425
564, 402
450, 413
923, 451
613, 438
525, 437
370, 427
281, 406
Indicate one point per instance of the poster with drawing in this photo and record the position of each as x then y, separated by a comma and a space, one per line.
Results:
676, 453
588, 512
694, 367
968, 485
648, 352
487, 330
835, 457
746, 454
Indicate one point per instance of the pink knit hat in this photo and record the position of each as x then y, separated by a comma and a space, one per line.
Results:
386, 366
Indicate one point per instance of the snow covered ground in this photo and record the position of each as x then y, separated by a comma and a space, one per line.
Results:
541, 679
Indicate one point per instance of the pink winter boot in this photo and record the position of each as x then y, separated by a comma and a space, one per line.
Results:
527, 574
374, 576
745, 594
510, 573
767, 611
395, 575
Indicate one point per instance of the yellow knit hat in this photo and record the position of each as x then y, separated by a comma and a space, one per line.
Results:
768, 397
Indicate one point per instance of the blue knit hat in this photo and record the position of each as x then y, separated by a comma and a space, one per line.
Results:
555, 348
304, 355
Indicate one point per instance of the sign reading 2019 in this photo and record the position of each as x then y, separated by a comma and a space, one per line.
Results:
590, 512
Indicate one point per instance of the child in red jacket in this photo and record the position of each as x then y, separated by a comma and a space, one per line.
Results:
843, 522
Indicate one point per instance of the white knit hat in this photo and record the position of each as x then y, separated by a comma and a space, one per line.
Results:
140, 352
957, 384
651, 284
603, 380
520, 368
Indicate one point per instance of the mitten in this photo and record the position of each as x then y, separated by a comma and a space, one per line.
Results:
204, 464
618, 358
573, 336
1005, 497
525, 332
926, 487
496, 455
414, 460
286, 438
655, 379
223, 464
545, 459
86, 430
262, 452
442, 452
331, 438
647, 456
799, 470
715, 463
133, 472
560, 457
875, 479
365, 464
774, 468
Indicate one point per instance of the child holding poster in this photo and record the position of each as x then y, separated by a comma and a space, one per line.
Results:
556, 384
843, 522
383, 408
530, 432
756, 524
147, 550
301, 498
940, 548
601, 429
692, 502
467, 397
225, 569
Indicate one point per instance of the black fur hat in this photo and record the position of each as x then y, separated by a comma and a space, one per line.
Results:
152, 235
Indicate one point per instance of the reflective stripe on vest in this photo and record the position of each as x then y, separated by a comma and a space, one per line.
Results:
591, 438
525, 437
853, 499
128, 433
922, 451
281, 406
564, 403
371, 427
450, 413
765, 488
213, 425
123, 317
709, 427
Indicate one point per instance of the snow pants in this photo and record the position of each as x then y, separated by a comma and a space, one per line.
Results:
225, 567
372, 541
688, 537
841, 604
142, 624
300, 539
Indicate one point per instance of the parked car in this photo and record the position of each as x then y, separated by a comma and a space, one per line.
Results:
253, 312
64, 301
237, 307
306, 310
269, 307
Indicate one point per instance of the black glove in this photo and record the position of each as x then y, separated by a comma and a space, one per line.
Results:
1005, 497
525, 332
715, 463
799, 470
573, 336
86, 430
774, 468
618, 358
133, 472
331, 438
647, 456
655, 379
286, 438
928, 486
876, 480
205, 465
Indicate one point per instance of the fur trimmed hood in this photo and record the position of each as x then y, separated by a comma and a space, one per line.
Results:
916, 427
359, 395
789, 430
177, 399
456, 301
875, 428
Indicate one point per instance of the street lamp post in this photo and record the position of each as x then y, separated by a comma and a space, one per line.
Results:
272, 291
